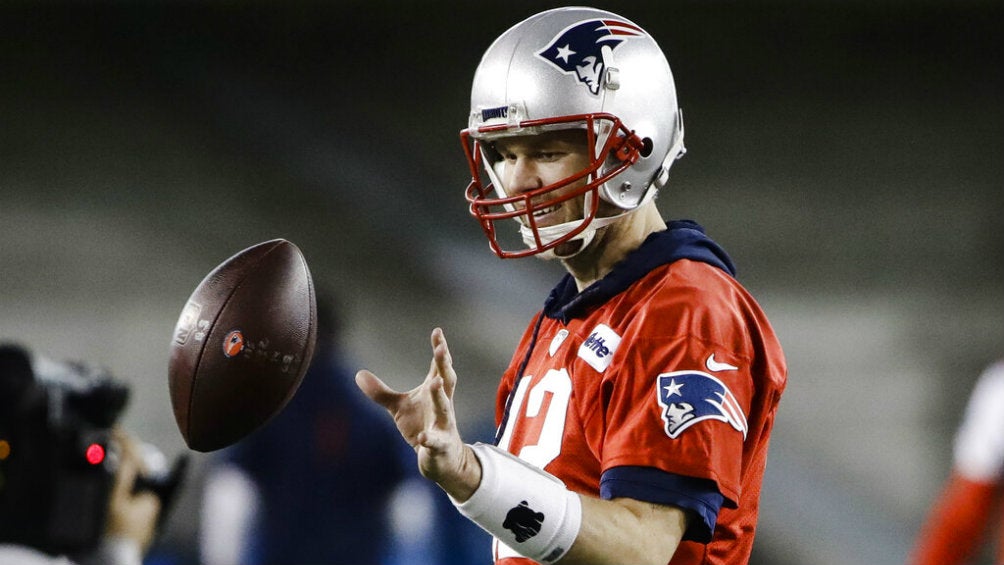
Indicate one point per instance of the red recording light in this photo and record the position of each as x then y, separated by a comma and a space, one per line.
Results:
95, 453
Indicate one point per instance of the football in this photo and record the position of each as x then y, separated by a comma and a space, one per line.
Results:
242, 344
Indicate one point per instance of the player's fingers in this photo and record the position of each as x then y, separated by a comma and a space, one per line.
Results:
436, 441
444, 361
441, 405
432, 369
377, 390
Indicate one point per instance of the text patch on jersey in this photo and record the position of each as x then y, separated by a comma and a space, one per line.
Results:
689, 397
598, 349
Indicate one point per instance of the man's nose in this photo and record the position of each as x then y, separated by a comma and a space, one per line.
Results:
523, 176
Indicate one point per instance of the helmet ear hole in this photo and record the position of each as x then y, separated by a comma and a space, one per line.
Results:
646, 147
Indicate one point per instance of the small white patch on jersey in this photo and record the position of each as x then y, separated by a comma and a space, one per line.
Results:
598, 349
557, 341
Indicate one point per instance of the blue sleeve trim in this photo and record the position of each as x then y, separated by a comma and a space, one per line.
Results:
700, 497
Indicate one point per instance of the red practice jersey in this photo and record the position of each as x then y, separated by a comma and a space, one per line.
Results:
665, 370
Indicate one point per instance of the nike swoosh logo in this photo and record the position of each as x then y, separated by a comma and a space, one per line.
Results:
715, 366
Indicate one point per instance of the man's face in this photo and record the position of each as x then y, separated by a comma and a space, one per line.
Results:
534, 161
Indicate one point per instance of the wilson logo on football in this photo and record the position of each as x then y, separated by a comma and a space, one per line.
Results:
187, 322
233, 343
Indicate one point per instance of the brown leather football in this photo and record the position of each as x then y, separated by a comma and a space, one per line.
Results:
242, 344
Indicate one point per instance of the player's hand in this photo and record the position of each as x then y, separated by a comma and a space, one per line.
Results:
426, 419
131, 515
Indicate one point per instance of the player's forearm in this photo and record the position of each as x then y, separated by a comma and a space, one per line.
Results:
626, 531
533, 514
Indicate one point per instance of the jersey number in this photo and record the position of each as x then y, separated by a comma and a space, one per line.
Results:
539, 422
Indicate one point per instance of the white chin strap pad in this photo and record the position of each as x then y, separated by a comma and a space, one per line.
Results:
550, 234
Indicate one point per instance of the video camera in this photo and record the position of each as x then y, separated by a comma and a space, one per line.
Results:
58, 458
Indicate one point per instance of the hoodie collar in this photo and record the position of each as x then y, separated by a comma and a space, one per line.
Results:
682, 239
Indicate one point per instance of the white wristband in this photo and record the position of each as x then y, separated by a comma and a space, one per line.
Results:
524, 507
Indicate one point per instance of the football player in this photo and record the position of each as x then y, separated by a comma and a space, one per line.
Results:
635, 415
970, 499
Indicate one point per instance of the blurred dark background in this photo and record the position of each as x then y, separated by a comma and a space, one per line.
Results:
847, 154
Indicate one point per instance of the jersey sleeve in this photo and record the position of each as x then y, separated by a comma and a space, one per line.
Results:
699, 497
681, 392
653, 420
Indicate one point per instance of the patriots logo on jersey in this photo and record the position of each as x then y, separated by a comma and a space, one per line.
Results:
689, 397
579, 49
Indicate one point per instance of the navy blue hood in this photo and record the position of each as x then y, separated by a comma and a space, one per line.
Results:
682, 239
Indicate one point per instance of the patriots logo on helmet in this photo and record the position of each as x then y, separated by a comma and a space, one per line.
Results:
689, 397
583, 48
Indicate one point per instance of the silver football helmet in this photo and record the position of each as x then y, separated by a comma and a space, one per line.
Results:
572, 68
